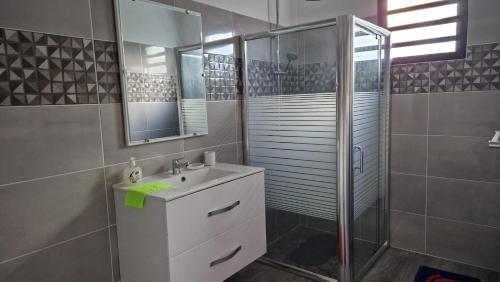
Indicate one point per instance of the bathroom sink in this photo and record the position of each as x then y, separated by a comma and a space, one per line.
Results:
192, 178
192, 181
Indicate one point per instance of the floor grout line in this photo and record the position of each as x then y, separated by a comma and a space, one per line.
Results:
439, 135
407, 212
48, 33
48, 106
2, 186
54, 245
426, 170
108, 214
475, 92
443, 177
445, 219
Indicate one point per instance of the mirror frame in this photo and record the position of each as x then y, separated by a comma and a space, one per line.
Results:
123, 84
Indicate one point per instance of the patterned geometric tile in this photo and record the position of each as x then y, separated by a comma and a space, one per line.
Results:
262, 80
107, 70
478, 71
45, 69
38, 68
222, 77
318, 78
410, 78
143, 87
366, 76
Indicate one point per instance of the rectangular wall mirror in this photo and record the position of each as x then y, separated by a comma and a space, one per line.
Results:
161, 66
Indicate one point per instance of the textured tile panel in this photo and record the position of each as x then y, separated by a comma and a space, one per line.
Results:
478, 71
45, 69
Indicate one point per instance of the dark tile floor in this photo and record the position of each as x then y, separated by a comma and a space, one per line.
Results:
401, 266
261, 272
315, 251
286, 248
394, 266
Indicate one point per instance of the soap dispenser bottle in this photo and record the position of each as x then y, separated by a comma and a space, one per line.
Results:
132, 174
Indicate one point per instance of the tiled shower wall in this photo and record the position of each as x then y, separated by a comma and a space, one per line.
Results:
445, 180
63, 141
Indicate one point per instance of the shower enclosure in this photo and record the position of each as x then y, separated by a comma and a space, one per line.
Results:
316, 114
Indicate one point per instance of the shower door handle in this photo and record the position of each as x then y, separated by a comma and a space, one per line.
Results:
361, 158
495, 141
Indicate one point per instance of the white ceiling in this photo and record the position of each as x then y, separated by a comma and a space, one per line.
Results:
297, 11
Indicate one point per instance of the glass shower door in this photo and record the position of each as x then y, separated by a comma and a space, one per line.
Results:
316, 117
291, 119
369, 135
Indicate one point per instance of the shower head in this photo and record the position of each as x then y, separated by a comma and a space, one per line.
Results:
291, 56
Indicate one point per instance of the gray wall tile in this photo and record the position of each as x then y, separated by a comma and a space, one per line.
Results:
132, 51
475, 202
221, 126
368, 225
115, 150
467, 243
245, 25
319, 46
408, 193
464, 114
162, 115
409, 113
137, 117
216, 23
408, 154
290, 43
39, 213
167, 2
357, 228
239, 120
49, 140
483, 22
149, 167
82, 260
260, 49
407, 231
463, 158
240, 153
65, 17
103, 20
224, 153
113, 235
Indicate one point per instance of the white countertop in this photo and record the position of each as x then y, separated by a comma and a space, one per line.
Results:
172, 193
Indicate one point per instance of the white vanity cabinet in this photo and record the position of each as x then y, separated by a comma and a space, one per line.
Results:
205, 231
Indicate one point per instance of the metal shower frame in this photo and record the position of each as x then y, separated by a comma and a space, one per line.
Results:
345, 179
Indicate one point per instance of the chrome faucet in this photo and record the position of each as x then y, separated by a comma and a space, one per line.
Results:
177, 164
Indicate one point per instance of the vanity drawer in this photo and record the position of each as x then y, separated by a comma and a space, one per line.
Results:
224, 255
196, 218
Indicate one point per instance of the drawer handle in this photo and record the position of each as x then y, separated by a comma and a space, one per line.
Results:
226, 258
223, 210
